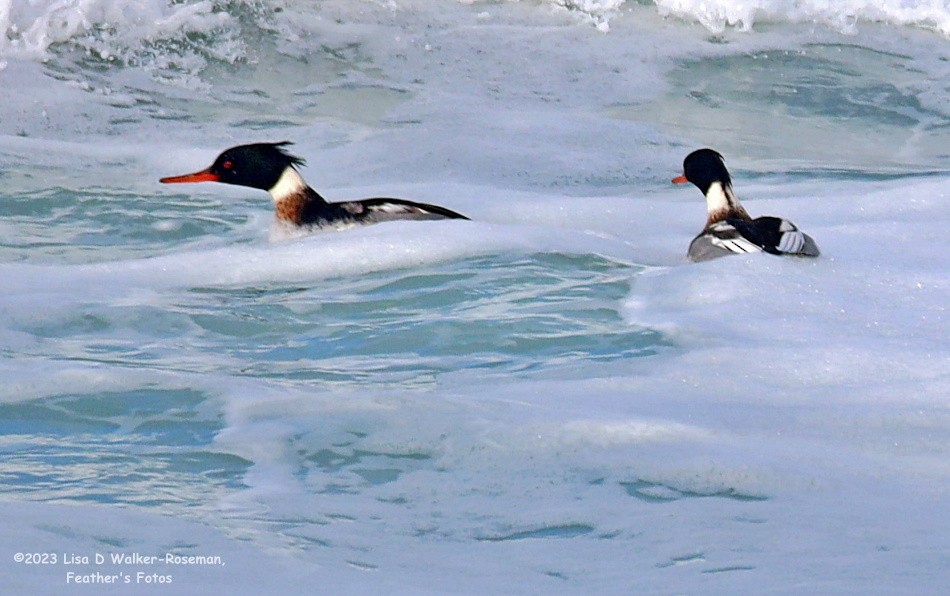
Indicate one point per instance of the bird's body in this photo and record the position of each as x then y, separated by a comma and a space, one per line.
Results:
267, 166
729, 229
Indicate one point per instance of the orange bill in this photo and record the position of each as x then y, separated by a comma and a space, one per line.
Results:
202, 176
681, 179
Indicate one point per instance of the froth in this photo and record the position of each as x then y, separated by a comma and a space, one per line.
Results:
716, 15
115, 31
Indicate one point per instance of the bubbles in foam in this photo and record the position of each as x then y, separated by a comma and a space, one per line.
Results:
127, 32
186, 35
716, 15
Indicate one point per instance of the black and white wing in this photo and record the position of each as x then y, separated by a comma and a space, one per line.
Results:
718, 240
781, 237
773, 235
379, 210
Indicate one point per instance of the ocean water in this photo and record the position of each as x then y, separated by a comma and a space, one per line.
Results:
546, 399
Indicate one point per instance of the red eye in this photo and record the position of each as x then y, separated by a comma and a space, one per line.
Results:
228, 165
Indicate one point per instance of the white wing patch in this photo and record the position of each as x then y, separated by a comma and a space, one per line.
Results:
393, 211
395, 208
352, 207
739, 245
733, 242
791, 240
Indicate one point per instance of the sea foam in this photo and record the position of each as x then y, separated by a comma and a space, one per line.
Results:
844, 15
185, 35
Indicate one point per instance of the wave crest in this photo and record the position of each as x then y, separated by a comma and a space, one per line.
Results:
140, 33
183, 36
842, 15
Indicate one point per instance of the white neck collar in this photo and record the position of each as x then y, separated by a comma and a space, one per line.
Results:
289, 184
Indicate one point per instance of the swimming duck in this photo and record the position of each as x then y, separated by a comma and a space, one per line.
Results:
729, 228
270, 167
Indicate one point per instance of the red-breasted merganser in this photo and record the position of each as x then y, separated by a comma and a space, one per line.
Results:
269, 167
729, 229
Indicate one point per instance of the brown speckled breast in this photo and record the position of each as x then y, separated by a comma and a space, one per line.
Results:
292, 208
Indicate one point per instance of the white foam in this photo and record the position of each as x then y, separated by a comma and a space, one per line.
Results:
124, 31
831, 312
313, 257
30, 29
843, 15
